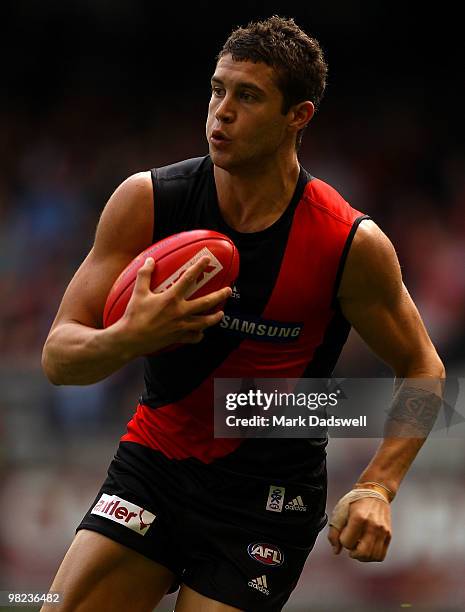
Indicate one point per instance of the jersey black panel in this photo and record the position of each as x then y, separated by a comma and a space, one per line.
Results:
180, 196
185, 199
171, 376
326, 355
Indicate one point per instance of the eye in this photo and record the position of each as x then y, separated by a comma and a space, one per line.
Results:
247, 97
217, 91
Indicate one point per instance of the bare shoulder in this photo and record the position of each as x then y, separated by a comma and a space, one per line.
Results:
375, 301
127, 219
124, 230
372, 267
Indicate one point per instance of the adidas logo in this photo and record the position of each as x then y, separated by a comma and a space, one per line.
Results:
235, 293
296, 504
259, 584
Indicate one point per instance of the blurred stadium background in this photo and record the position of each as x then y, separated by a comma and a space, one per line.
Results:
92, 91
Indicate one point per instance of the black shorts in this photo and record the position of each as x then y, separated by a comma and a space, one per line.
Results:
241, 540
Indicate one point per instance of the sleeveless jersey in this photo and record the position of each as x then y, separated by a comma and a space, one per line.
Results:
282, 321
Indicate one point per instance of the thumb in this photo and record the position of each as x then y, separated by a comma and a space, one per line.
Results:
333, 537
144, 276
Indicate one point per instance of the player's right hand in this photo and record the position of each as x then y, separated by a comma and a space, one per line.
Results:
153, 321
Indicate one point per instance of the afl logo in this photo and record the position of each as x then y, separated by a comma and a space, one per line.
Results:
268, 554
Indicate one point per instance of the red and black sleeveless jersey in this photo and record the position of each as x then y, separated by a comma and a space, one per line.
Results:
282, 321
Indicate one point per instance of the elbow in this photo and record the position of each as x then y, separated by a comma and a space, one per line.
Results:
437, 367
48, 366
441, 369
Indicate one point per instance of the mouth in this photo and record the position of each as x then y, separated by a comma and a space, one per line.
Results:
219, 139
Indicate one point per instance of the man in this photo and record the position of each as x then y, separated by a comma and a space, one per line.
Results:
178, 506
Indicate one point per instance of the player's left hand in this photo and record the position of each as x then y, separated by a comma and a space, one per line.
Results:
367, 533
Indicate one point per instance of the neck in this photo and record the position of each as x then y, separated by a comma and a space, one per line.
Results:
252, 200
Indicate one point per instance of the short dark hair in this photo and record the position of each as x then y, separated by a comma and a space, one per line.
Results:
297, 58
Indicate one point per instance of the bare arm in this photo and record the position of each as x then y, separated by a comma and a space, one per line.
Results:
77, 350
374, 299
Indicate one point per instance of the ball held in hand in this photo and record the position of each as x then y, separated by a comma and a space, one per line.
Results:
173, 256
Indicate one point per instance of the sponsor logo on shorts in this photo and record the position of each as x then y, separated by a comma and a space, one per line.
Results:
211, 270
296, 504
121, 511
268, 554
260, 584
275, 499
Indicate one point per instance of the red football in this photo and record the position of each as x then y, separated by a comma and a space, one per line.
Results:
172, 256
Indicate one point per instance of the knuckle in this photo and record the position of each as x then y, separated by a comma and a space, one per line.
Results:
360, 556
195, 327
372, 526
179, 327
357, 518
346, 543
205, 305
172, 301
384, 531
209, 321
379, 528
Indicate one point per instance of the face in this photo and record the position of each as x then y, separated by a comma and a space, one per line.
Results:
245, 125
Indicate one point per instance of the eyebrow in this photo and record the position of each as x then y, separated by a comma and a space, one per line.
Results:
243, 84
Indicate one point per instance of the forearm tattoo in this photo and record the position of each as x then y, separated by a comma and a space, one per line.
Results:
413, 411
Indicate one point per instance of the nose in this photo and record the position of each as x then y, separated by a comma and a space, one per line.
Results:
225, 110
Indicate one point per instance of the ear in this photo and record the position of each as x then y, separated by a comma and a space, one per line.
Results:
300, 114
